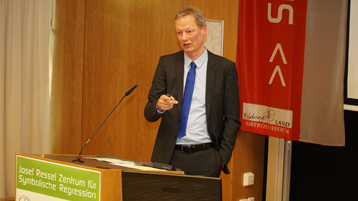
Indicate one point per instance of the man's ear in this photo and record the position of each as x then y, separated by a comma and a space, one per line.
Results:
204, 29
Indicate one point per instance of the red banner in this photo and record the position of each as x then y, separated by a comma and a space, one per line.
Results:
270, 63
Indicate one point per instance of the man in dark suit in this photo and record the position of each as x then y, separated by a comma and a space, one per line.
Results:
198, 131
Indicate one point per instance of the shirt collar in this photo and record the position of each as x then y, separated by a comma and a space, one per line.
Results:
199, 61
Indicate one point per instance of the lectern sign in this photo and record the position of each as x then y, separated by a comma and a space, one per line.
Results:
42, 180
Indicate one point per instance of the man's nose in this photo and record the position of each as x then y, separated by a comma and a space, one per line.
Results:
185, 37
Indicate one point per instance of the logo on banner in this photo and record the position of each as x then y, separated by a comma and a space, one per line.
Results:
269, 114
24, 198
268, 118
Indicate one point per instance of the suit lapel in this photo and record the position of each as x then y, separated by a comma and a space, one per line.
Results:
179, 68
210, 77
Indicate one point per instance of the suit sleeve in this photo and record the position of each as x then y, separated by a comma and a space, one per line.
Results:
231, 116
157, 89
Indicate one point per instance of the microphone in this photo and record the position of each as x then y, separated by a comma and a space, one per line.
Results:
130, 90
78, 160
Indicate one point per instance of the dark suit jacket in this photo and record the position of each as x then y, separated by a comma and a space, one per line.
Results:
222, 105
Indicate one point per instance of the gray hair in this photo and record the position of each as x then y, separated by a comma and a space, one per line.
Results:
190, 10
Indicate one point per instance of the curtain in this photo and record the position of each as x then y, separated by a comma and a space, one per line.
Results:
24, 84
322, 116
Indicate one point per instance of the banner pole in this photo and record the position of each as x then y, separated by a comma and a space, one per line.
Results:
287, 171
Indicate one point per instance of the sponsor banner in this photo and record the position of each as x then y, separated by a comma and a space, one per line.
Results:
270, 64
260, 118
265, 114
52, 181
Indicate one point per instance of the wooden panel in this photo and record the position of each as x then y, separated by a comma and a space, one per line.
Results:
124, 40
67, 73
7, 199
248, 157
111, 182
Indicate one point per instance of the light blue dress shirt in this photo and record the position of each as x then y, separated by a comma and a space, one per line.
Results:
197, 130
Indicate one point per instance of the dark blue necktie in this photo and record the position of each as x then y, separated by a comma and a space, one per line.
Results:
188, 94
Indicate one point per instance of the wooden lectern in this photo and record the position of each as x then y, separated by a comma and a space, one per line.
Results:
56, 177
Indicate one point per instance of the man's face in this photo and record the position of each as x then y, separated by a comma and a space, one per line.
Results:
190, 36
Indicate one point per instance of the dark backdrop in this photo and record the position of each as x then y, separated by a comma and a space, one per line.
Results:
326, 173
